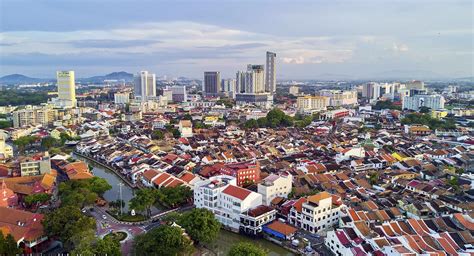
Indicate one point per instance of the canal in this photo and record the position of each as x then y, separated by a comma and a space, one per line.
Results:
114, 193
227, 239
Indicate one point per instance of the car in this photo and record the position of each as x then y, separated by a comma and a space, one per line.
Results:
104, 217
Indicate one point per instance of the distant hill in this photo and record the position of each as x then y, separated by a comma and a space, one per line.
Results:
120, 76
20, 79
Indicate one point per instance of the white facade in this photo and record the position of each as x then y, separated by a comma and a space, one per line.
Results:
340, 98
122, 98
186, 128
318, 212
66, 89
275, 185
220, 195
270, 73
294, 90
145, 86
5, 149
251, 81
417, 101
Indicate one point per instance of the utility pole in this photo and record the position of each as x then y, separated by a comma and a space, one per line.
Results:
120, 196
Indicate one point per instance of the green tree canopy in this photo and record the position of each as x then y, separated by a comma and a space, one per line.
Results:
164, 240
144, 200
66, 223
8, 245
246, 249
201, 225
37, 198
158, 135
174, 196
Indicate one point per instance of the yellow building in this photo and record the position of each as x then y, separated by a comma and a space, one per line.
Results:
66, 88
438, 114
312, 103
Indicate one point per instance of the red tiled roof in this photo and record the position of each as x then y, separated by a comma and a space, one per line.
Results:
282, 228
237, 192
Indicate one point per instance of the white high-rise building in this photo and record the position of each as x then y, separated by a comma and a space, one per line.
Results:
66, 89
122, 98
145, 86
270, 73
417, 101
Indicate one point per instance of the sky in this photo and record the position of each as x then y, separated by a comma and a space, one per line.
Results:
356, 39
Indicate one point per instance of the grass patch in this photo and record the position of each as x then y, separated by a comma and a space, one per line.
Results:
127, 217
118, 236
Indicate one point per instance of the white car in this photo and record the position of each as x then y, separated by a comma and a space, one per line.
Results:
104, 217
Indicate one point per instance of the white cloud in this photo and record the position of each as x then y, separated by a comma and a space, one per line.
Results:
399, 47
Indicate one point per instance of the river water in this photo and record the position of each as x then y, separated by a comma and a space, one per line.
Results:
114, 193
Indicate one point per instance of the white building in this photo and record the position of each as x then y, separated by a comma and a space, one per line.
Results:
35, 166
415, 102
220, 195
228, 87
294, 90
275, 186
339, 98
122, 98
312, 103
66, 89
316, 213
145, 86
186, 128
270, 73
5, 149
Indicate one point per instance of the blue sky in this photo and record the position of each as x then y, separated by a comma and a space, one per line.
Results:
312, 39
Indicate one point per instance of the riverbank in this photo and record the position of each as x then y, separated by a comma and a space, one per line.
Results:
110, 168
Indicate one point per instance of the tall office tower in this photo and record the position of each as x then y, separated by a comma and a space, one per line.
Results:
255, 79
66, 88
239, 81
270, 73
228, 87
212, 83
368, 90
145, 86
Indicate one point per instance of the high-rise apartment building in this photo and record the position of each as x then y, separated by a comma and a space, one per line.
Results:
417, 101
228, 87
145, 86
34, 116
270, 73
66, 88
339, 97
212, 83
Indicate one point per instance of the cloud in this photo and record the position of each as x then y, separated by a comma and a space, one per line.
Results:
399, 47
107, 43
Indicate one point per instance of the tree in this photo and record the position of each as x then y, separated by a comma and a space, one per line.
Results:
108, 246
164, 240
246, 249
8, 245
173, 196
99, 185
49, 142
424, 109
5, 124
201, 225
37, 198
176, 133
158, 135
66, 223
24, 141
144, 200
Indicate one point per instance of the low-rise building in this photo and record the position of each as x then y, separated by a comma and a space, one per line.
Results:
316, 213
275, 185
36, 165
227, 201
186, 128
312, 103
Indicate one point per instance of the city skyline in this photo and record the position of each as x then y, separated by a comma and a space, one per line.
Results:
367, 39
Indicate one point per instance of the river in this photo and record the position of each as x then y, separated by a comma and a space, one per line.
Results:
114, 193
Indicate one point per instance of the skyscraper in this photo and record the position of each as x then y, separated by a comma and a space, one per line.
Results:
212, 83
66, 88
270, 73
145, 86
255, 79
